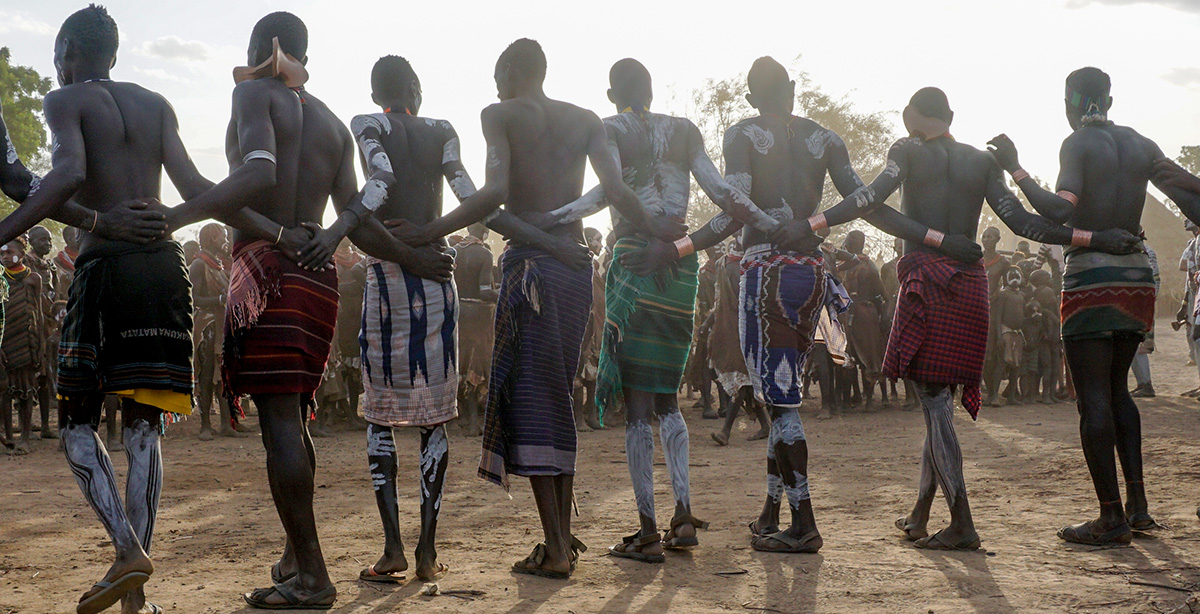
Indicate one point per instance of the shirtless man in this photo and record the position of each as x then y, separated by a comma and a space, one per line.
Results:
289, 155
940, 332
652, 315
1108, 301
1007, 323
38, 259
112, 142
210, 288
995, 264
781, 161
537, 148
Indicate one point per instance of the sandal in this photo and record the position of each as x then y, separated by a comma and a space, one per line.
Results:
111, 592
1142, 521
937, 542
391, 577
278, 577
756, 530
1082, 534
782, 542
320, 601
442, 570
532, 565
673, 542
577, 548
625, 549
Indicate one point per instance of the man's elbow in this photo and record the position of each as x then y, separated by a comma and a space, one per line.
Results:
260, 175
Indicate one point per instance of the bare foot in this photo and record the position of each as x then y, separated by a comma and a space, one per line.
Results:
825, 414
391, 564
228, 432
22, 448
114, 445
761, 434
48, 433
912, 530
206, 434
429, 569
721, 438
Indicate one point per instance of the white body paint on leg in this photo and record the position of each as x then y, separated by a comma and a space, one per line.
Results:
431, 456
775, 487
93, 471
787, 430
639, 451
942, 443
674, 434
143, 485
379, 443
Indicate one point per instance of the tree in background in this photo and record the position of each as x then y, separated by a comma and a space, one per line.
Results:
722, 103
21, 93
1189, 158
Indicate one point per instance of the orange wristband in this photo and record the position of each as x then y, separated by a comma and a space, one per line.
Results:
817, 222
1069, 197
1019, 174
684, 247
1081, 238
934, 238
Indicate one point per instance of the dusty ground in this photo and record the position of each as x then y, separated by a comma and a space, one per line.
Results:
218, 533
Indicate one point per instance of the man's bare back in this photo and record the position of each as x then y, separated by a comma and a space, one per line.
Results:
313, 149
416, 147
549, 145
786, 160
946, 185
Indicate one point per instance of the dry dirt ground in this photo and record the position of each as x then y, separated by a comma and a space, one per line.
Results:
218, 532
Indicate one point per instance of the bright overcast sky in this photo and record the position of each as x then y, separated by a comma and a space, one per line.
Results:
1001, 63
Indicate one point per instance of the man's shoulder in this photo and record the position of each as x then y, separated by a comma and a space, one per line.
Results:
377, 121
436, 124
315, 108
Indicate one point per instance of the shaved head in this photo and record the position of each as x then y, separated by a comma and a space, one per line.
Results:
766, 76
629, 83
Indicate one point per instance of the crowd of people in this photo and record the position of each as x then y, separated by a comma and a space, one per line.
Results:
582, 329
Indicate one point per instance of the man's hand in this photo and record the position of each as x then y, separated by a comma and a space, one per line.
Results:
656, 256
428, 262
1005, 152
134, 221
961, 248
1169, 174
1116, 241
319, 250
410, 233
292, 240
571, 253
797, 236
667, 228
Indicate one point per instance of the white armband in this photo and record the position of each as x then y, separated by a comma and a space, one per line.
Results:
259, 154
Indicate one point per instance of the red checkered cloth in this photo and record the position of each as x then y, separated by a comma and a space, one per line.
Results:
278, 324
940, 330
